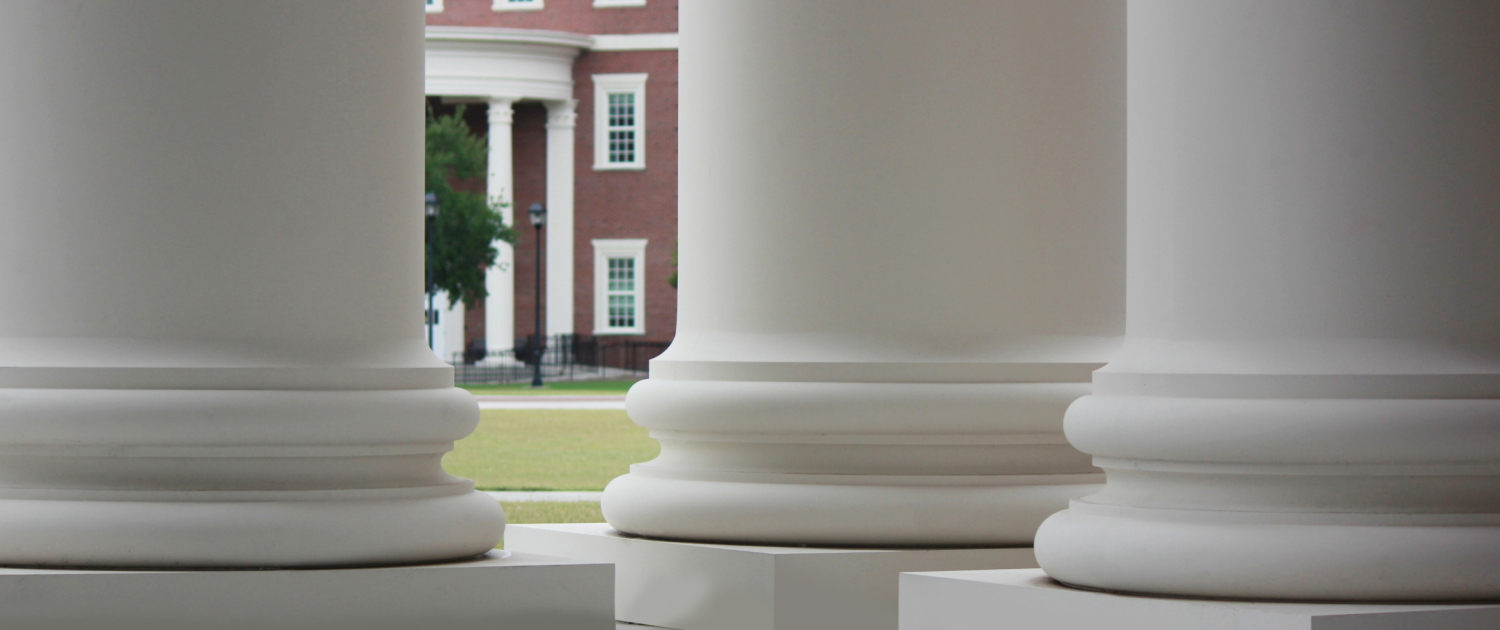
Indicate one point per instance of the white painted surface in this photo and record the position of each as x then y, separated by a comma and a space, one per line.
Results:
510, 590
500, 279
562, 117
885, 306
636, 41
544, 497
1306, 407
285, 411
605, 249
624, 83
693, 586
507, 63
1027, 600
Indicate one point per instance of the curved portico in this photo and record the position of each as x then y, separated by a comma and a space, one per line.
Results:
499, 67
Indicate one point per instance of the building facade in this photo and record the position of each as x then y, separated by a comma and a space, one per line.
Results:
578, 100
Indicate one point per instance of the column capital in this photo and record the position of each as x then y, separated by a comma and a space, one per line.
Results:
562, 114
502, 111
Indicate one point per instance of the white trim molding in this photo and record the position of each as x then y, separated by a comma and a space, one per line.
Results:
629, 149
434, 6
516, 5
616, 4
631, 251
504, 63
636, 41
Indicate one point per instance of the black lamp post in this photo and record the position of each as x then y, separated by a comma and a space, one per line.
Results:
432, 208
538, 219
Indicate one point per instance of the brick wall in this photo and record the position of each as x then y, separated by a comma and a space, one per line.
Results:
607, 204
574, 16
629, 204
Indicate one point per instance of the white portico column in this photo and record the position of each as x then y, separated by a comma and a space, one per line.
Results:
500, 280
1308, 406
219, 360
561, 118
885, 306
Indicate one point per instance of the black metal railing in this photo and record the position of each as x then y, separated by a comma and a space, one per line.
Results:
562, 357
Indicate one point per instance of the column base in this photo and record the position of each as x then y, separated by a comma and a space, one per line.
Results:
499, 589
1027, 599
701, 586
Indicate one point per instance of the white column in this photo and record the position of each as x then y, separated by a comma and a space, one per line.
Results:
900, 263
561, 118
500, 280
220, 360
1308, 405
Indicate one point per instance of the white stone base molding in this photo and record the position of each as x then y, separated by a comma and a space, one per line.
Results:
500, 590
697, 586
219, 359
1307, 405
1029, 600
879, 332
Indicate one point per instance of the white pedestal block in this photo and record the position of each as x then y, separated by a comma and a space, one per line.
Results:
499, 590
699, 586
1027, 599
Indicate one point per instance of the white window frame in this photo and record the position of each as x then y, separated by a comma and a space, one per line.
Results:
605, 249
610, 4
604, 85
516, 5
434, 6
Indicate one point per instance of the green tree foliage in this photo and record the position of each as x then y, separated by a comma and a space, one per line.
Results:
464, 232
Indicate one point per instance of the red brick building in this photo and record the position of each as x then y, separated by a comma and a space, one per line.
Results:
579, 101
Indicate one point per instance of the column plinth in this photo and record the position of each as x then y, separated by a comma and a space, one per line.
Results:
1305, 407
882, 320
219, 358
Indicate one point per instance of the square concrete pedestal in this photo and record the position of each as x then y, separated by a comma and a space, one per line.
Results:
1029, 600
498, 591
697, 586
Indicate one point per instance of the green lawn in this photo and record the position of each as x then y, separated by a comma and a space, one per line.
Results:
549, 449
521, 512
562, 388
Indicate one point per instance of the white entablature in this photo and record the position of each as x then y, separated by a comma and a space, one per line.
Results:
506, 63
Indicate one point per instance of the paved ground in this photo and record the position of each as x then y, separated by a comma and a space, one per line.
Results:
551, 402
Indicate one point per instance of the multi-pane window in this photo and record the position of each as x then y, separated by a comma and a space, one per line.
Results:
619, 121
621, 293
620, 124
619, 286
516, 5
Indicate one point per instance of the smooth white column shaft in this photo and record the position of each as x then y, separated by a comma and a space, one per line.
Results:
500, 279
902, 255
211, 344
1306, 406
561, 119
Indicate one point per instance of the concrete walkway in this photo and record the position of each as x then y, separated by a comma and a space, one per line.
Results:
551, 402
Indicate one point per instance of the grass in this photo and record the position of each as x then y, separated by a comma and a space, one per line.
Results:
564, 388
520, 512
549, 449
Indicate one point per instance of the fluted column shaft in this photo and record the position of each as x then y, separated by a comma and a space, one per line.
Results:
901, 254
500, 279
211, 344
1306, 406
